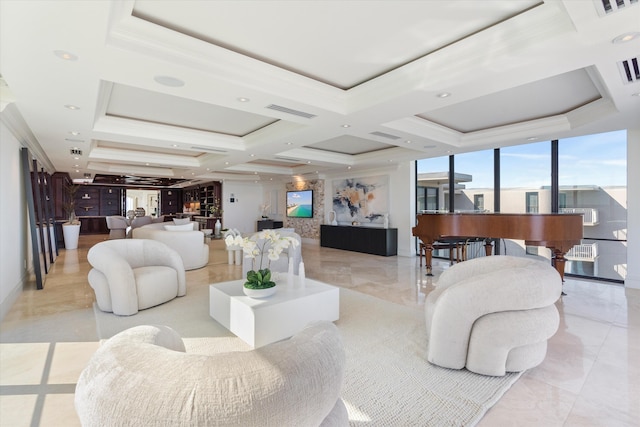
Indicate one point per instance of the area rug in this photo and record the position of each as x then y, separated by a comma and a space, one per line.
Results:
388, 381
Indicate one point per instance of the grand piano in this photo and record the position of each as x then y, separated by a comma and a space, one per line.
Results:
558, 232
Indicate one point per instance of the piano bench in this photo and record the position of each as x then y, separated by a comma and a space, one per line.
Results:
460, 249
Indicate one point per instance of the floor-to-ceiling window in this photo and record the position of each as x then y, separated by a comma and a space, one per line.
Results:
432, 187
525, 177
474, 182
593, 182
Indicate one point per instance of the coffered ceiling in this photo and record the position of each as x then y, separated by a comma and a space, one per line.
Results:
191, 91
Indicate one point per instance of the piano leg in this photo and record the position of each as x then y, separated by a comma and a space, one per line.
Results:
558, 262
488, 247
428, 256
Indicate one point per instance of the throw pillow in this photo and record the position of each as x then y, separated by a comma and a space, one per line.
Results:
183, 227
181, 221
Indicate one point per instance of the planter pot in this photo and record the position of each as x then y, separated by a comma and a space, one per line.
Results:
71, 233
259, 293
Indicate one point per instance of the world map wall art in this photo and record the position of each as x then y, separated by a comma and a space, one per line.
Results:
361, 200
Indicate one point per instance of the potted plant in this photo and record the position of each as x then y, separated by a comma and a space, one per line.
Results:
71, 228
259, 282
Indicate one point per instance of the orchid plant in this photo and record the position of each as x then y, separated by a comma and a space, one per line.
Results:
261, 278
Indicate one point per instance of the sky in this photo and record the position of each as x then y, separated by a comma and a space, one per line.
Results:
599, 159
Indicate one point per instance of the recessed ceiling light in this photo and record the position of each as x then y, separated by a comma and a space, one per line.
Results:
531, 138
253, 155
74, 132
348, 167
77, 170
289, 143
443, 95
76, 158
244, 99
408, 141
71, 107
346, 126
63, 54
174, 145
226, 163
146, 164
626, 37
193, 173
168, 81
76, 166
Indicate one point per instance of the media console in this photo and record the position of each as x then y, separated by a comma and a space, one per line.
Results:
369, 240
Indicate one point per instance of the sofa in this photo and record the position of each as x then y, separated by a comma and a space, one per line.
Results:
282, 264
129, 275
143, 377
184, 239
141, 221
493, 314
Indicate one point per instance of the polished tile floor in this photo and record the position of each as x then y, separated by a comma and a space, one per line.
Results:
590, 377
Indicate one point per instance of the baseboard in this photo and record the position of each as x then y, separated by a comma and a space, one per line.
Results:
13, 295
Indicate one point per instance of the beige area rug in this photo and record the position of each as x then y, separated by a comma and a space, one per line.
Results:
388, 381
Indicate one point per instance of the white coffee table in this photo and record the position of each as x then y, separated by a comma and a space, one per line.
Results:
260, 322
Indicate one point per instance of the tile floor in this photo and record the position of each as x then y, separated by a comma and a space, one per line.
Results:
591, 376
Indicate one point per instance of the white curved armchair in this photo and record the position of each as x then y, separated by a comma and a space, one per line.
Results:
142, 376
133, 274
493, 314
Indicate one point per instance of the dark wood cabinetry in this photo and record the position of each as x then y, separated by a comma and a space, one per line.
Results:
111, 201
59, 181
93, 200
170, 202
267, 224
203, 197
375, 241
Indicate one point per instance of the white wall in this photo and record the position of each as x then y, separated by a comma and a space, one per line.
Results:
244, 212
633, 213
14, 236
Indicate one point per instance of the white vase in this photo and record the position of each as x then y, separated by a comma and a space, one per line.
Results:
217, 228
259, 293
332, 218
71, 233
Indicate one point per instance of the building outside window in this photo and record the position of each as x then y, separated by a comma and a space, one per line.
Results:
593, 182
478, 202
531, 202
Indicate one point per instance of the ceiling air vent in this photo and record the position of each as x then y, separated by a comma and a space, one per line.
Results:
288, 159
213, 150
607, 7
385, 135
290, 111
629, 70
76, 152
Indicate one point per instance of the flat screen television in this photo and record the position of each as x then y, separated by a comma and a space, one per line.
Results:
300, 204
